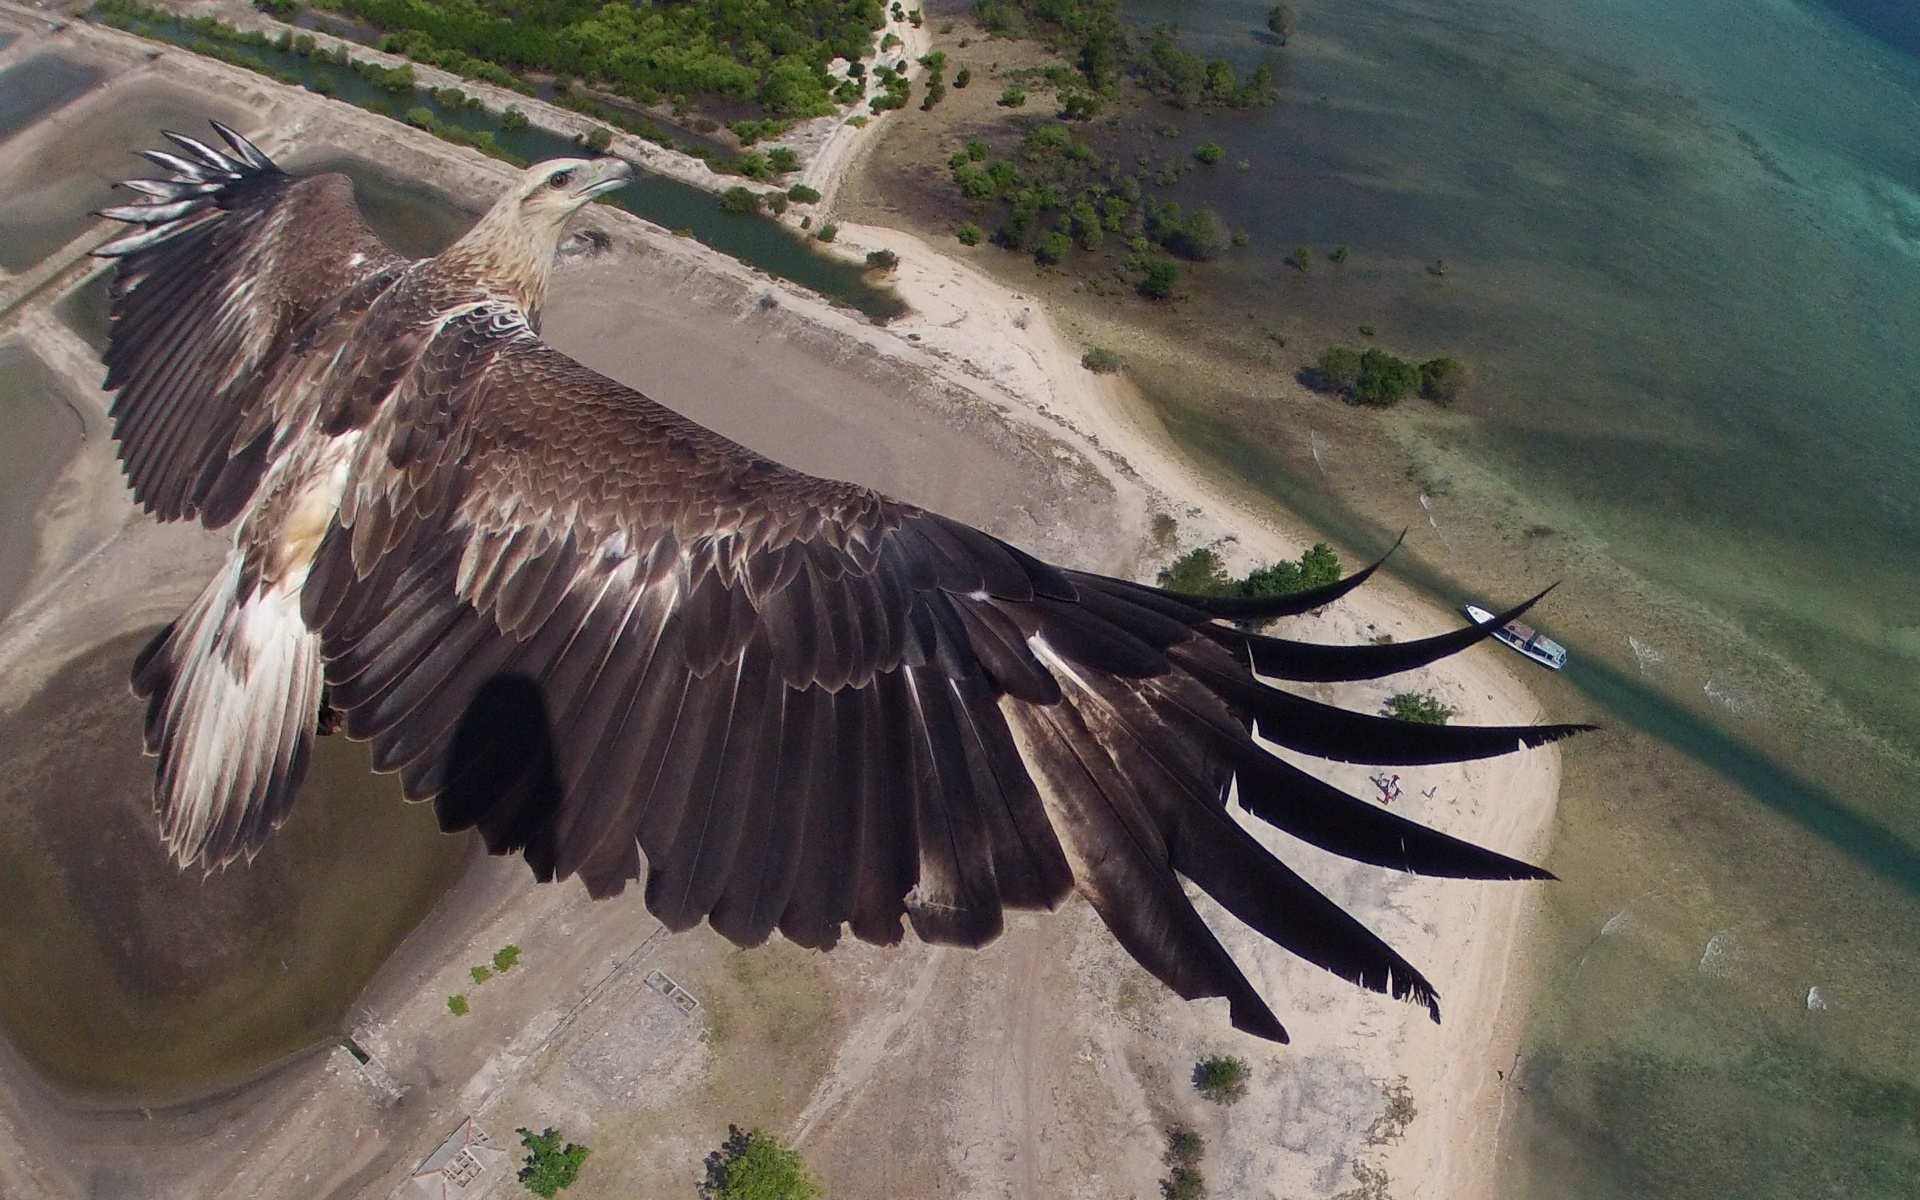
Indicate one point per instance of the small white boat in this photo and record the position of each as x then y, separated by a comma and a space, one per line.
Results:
1524, 638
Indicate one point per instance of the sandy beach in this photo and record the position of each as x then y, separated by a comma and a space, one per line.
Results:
1046, 1065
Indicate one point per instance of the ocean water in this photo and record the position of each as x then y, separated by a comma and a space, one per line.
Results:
1678, 245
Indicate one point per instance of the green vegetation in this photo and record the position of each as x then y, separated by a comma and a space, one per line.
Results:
1421, 708
962, 77
1281, 22
1183, 78
882, 260
1340, 254
1185, 1148
457, 1005
1100, 360
1161, 281
1221, 1078
422, 117
1013, 97
480, 974
549, 1166
1210, 152
1300, 258
753, 1165
1056, 192
1442, 378
828, 232
970, 234
1376, 378
773, 56
800, 193
783, 160
1201, 572
739, 199
513, 119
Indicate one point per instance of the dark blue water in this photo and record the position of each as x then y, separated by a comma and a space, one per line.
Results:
1894, 22
29, 90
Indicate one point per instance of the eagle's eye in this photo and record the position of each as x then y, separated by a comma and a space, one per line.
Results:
560, 179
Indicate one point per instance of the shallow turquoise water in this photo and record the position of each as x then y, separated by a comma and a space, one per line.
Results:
1681, 256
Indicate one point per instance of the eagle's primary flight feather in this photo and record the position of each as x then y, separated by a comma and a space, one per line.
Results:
620, 644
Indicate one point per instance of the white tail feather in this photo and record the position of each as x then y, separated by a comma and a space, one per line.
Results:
234, 692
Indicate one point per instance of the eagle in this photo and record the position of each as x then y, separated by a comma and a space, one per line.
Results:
626, 648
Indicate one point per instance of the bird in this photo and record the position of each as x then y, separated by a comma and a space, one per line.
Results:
629, 649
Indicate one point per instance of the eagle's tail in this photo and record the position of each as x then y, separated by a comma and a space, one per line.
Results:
233, 693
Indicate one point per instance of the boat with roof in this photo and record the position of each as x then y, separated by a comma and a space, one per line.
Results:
1524, 638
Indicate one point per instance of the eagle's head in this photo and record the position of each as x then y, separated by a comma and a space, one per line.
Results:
512, 247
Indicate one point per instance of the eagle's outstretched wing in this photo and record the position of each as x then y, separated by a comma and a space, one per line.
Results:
607, 637
233, 259
621, 644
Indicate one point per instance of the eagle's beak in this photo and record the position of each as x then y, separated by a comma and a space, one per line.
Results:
610, 174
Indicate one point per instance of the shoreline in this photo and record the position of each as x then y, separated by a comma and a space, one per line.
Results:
991, 356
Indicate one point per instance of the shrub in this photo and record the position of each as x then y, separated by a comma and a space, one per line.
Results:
800, 193
1280, 22
1183, 1183
1340, 254
1184, 1147
1100, 360
783, 159
1316, 568
1210, 152
882, 260
513, 119
1162, 278
1300, 259
1052, 248
550, 1166
1337, 371
753, 1165
1441, 379
599, 138
1384, 379
962, 77
754, 165
1198, 572
970, 234
480, 974
1221, 1078
1421, 708
828, 232
737, 199
505, 957
1013, 97
457, 1005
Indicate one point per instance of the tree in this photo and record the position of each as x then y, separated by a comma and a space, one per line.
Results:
599, 138
737, 199
882, 260
962, 77
753, 1165
1441, 379
1384, 379
550, 1166
970, 234
1280, 22
800, 193
1221, 1078
1316, 568
1199, 572
783, 159
1338, 370
1163, 276
513, 119
1052, 248
1421, 708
